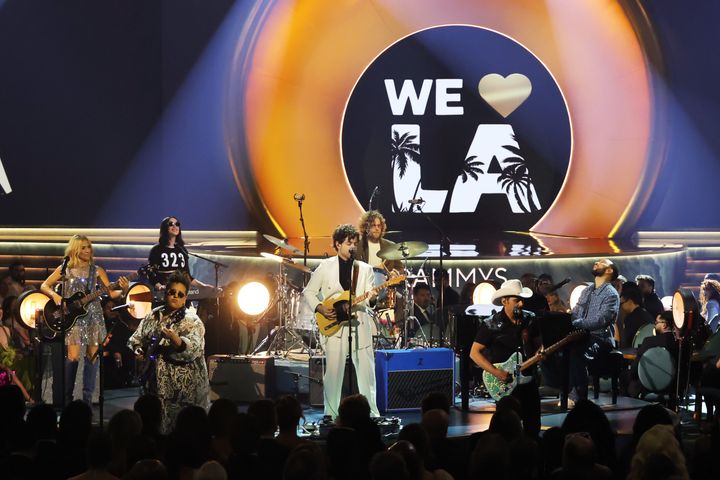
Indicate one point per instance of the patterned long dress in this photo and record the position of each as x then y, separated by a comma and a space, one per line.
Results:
181, 377
89, 330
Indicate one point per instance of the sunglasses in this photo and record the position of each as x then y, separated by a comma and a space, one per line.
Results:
175, 293
173, 224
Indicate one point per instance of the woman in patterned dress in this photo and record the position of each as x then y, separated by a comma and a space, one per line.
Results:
181, 376
82, 275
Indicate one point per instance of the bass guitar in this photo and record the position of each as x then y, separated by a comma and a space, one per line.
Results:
152, 348
61, 318
339, 303
515, 366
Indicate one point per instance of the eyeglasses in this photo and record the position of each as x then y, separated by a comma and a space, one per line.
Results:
173, 224
175, 293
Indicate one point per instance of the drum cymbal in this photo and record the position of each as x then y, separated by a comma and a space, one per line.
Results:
282, 244
403, 250
286, 261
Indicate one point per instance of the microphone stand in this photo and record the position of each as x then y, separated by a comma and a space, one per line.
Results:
63, 346
100, 352
444, 244
306, 242
217, 265
349, 365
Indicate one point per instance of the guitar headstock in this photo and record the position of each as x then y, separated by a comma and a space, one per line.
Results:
396, 280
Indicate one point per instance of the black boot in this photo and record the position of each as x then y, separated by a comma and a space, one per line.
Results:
71, 369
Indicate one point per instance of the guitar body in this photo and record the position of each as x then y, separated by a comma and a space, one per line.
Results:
330, 326
73, 308
498, 389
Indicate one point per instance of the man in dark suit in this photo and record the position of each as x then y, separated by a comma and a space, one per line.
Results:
635, 316
651, 301
423, 310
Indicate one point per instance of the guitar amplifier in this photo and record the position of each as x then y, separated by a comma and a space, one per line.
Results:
241, 378
405, 377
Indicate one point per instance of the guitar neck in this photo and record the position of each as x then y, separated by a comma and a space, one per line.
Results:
103, 290
548, 351
374, 291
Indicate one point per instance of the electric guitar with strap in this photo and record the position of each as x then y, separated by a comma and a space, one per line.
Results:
339, 303
515, 366
61, 318
152, 348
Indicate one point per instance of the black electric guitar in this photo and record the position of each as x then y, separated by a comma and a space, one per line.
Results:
152, 347
61, 318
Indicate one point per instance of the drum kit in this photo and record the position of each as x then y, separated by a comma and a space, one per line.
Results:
296, 329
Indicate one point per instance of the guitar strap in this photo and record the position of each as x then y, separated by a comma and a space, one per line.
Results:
92, 278
356, 272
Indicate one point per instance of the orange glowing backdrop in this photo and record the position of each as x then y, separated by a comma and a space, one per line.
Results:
307, 56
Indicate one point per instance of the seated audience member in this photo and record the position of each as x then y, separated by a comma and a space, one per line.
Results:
147, 469
435, 400
220, 417
578, 460
414, 459
664, 337
388, 466
588, 417
306, 462
99, 455
647, 417
289, 412
710, 300
658, 455
490, 458
635, 316
651, 301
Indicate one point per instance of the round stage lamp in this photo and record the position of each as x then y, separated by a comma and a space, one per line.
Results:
29, 307
482, 294
575, 295
685, 310
140, 297
253, 298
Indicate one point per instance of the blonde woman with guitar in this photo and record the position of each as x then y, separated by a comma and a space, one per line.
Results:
86, 328
334, 276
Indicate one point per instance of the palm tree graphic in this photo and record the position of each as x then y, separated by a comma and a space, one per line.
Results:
516, 177
469, 168
402, 149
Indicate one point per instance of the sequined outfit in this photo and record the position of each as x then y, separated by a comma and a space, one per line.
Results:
89, 329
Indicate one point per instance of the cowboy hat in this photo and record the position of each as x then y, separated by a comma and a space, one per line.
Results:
510, 288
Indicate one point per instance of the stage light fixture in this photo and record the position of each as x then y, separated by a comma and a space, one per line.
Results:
686, 312
140, 296
29, 307
482, 294
253, 298
575, 294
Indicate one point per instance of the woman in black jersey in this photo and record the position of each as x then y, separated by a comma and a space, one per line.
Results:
170, 255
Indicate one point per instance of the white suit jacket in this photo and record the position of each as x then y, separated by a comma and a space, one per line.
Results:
325, 282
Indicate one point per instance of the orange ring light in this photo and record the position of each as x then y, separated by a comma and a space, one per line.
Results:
307, 56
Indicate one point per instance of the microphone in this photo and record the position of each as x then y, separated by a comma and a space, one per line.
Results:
124, 305
299, 197
372, 196
64, 265
560, 285
416, 201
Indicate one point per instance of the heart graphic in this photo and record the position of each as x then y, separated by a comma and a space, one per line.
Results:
504, 94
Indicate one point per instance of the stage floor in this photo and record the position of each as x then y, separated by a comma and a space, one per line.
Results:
462, 423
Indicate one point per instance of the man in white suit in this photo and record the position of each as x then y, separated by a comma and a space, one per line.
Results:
333, 276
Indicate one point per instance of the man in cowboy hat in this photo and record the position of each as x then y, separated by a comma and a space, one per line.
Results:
503, 335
